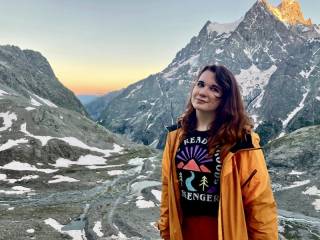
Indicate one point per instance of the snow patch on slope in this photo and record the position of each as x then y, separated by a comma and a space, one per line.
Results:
220, 28
296, 110
71, 141
7, 120
19, 166
2, 93
17, 190
75, 234
3, 177
97, 228
46, 101
192, 61
306, 73
35, 102
131, 93
61, 178
11, 143
253, 78
314, 191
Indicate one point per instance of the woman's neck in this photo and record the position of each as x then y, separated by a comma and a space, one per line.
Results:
204, 120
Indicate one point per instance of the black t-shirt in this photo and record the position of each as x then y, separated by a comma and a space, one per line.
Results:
198, 175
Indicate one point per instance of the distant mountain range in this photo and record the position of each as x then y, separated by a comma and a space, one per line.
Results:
97, 105
84, 99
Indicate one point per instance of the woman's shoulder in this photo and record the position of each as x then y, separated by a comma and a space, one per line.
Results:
174, 132
173, 127
255, 138
250, 141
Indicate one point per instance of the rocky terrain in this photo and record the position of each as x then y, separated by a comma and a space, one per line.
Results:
294, 166
65, 177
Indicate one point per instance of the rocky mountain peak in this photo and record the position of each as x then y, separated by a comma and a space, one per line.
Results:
29, 73
288, 11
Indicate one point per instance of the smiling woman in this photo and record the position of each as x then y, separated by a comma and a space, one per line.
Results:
218, 188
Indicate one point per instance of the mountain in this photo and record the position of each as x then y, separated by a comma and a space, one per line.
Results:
294, 164
63, 176
96, 106
28, 73
274, 59
85, 99
289, 11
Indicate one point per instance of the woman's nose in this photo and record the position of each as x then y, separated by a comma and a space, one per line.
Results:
203, 91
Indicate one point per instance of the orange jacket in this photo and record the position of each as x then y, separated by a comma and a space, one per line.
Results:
247, 209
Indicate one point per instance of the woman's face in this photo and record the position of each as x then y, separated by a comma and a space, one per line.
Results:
206, 94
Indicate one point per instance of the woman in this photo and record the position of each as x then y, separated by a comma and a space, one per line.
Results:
215, 183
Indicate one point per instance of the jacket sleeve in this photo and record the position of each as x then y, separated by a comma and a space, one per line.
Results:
259, 203
163, 223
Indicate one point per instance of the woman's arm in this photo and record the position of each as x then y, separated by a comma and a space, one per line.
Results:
259, 204
163, 223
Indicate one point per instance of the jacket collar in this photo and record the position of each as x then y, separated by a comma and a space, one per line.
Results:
251, 141
173, 127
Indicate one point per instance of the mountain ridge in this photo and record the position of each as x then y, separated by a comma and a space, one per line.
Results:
28, 72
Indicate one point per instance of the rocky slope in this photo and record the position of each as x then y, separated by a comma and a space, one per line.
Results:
294, 164
63, 176
28, 73
95, 107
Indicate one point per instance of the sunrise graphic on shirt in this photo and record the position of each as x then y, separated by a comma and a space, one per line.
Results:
193, 158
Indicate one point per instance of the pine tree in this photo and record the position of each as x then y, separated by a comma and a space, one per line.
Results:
180, 178
203, 183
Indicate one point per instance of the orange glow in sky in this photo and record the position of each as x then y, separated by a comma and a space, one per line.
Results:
100, 79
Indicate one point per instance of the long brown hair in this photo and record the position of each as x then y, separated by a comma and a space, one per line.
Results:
231, 123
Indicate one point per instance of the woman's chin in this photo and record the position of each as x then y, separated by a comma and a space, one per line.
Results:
204, 110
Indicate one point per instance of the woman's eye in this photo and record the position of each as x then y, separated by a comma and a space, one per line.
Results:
214, 89
200, 84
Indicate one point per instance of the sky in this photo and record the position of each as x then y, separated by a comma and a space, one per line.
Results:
97, 46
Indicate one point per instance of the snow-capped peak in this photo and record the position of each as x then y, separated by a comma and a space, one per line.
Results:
223, 27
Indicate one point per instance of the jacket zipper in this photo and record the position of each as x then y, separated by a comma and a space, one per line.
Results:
249, 178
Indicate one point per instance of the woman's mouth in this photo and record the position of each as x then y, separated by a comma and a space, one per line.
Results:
200, 100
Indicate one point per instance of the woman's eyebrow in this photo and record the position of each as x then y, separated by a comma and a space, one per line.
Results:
216, 85
213, 85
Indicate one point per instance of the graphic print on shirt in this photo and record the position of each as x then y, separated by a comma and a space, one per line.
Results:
198, 175
188, 183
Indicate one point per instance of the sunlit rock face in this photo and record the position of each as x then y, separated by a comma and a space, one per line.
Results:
289, 11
